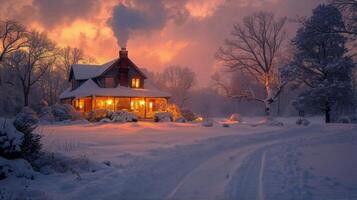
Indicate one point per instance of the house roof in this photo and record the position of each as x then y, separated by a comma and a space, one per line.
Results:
83, 72
90, 88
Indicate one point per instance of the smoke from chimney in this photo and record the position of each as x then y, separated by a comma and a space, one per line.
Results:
144, 17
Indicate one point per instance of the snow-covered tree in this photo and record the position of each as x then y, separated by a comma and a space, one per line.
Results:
253, 49
320, 63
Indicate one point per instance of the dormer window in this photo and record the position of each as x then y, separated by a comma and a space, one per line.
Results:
135, 82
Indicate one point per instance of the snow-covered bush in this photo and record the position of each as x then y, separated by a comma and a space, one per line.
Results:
97, 115
10, 140
188, 115
17, 168
123, 116
235, 118
163, 117
270, 121
62, 112
302, 121
26, 120
181, 120
45, 114
344, 120
207, 122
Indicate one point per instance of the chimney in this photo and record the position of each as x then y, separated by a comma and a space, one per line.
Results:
123, 53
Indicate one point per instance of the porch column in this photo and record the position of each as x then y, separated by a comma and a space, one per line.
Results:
145, 108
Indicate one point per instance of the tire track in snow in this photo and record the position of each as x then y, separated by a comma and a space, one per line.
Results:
261, 175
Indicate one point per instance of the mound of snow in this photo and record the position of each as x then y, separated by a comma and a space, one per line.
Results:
303, 121
344, 120
181, 120
105, 120
207, 123
270, 121
18, 168
163, 117
123, 116
235, 118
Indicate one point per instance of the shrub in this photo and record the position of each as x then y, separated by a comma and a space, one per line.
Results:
25, 122
174, 110
188, 115
123, 116
163, 117
97, 115
10, 140
62, 112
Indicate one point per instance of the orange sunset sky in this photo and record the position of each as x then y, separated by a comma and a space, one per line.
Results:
166, 32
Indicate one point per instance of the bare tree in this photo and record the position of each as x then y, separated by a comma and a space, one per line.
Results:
70, 56
31, 63
253, 49
12, 37
178, 81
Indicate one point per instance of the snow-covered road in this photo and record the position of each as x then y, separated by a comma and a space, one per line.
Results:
183, 162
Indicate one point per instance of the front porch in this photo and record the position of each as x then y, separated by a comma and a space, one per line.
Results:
143, 107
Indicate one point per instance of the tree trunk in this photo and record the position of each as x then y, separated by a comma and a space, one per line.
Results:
327, 113
26, 97
268, 94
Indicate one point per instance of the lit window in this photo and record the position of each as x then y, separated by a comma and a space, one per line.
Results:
135, 83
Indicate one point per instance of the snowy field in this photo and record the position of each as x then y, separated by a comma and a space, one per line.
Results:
152, 161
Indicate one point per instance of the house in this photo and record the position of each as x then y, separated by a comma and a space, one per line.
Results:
115, 85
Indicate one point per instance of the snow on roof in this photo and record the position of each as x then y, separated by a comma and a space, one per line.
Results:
83, 72
90, 88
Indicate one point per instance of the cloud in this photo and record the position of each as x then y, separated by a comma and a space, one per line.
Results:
52, 13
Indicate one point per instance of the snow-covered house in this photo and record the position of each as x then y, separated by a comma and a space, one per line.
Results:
115, 85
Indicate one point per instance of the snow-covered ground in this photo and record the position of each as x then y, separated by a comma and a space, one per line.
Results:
176, 161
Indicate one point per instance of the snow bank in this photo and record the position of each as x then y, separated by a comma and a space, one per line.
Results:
17, 168
235, 118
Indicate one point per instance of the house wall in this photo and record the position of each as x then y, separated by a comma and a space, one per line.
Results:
143, 107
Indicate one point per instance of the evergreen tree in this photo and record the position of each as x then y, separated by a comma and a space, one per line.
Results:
320, 63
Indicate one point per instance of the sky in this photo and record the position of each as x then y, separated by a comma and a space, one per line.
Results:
157, 33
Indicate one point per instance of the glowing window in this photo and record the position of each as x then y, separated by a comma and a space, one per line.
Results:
135, 83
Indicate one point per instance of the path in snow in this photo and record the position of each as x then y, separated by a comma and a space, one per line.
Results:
205, 170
